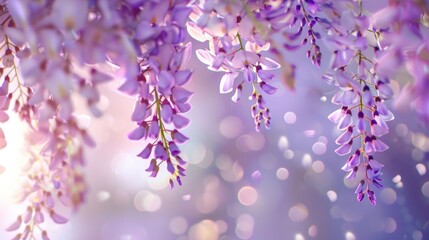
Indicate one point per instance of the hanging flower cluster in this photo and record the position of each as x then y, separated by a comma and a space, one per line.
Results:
52, 51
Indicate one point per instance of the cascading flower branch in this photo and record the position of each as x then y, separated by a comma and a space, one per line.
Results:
161, 96
51, 51
363, 114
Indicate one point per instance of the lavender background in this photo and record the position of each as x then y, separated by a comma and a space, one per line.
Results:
300, 193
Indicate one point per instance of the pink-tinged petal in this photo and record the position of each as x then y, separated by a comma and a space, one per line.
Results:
344, 149
129, 86
181, 95
2, 169
345, 137
197, 33
45, 235
267, 88
218, 61
4, 117
57, 218
5, 102
28, 214
336, 116
49, 200
379, 146
87, 139
178, 137
160, 152
345, 121
170, 181
146, 151
38, 216
268, 63
227, 82
139, 112
153, 129
166, 112
15, 225
137, 133
100, 77
180, 121
66, 110
182, 77
205, 56
239, 59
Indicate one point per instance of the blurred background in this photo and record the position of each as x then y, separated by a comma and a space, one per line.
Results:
281, 183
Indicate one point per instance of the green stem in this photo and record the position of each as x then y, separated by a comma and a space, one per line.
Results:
161, 124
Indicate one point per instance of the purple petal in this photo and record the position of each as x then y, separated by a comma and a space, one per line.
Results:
130, 86
182, 77
336, 115
345, 137
183, 107
4, 117
378, 130
57, 218
145, 153
137, 133
379, 146
28, 214
237, 95
160, 152
153, 128
166, 112
165, 83
344, 149
361, 125
180, 121
227, 82
38, 216
174, 150
181, 95
178, 137
170, 166
375, 164
267, 88
139, 112
15, 225
346, 121
249, 75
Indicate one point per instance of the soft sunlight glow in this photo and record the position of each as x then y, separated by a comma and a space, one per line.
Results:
12, 158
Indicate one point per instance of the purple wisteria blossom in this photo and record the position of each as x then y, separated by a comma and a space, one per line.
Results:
54, 53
